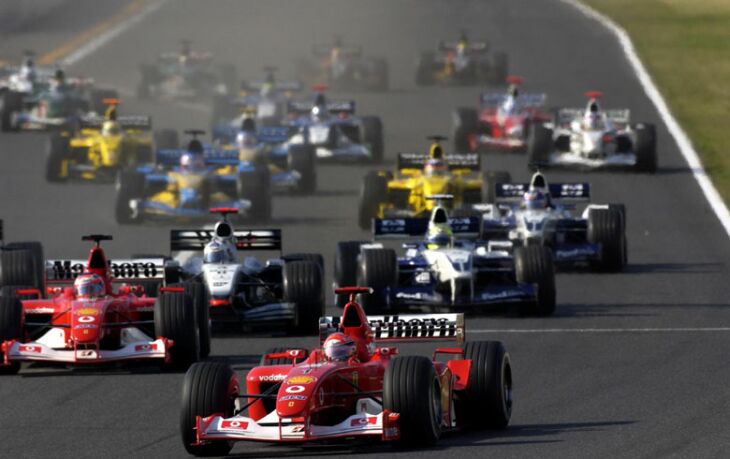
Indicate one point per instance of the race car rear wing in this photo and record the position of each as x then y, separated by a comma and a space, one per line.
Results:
274, 134
618, 116
213, 157
335, 107
470, 161
142, 122
491, 99
403, 228
513, 192
254, 239
403, 328
121, 270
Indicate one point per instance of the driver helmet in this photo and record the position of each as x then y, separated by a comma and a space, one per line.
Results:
27, 72
593, 118
338, 347
439, 236
110, 128
192, 162
319, 110
535, 199
214, 253
267, 89
89, 286
435, 168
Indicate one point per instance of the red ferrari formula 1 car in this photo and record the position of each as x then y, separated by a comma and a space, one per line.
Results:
93, 322
501, 122
354, 385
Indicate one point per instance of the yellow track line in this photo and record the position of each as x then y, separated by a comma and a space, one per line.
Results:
67, 48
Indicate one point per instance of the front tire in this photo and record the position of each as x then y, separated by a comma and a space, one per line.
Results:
11, 328
303, 159
176, 319
645, 148
411, 388
539, 146
373, 193
607, 228
208, 388
378, 270
303, 286
255, 187
534, 265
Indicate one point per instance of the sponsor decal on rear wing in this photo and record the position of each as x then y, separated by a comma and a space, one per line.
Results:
618, 116
413, 327
399, 228
258, 239
125, 121
121, 270
213, 156
491, 99
513, 192
336, 107
470, 161
274, 134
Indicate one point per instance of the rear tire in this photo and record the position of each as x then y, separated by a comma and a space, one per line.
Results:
373, 192
199, 293
645, 148
255, 186
345, 269
607, 228
208, 388
372, 135
487, 401
175, 319
56, 152
130, 185
303, 159
19, 267
534, 265
303, 282
11, 328
378, 269
412, 389
539, 146
466, 122
38, 261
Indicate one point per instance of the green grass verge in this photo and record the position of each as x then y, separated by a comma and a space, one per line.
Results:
685, 45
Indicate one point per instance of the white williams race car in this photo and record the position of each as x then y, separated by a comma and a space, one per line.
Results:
593, 139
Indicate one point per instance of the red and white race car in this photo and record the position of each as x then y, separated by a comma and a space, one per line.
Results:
94, 322
501, 122
354, 385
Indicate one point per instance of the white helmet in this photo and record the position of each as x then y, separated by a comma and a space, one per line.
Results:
214, 252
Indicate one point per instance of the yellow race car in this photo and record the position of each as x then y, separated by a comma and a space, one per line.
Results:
404, 194
100, 146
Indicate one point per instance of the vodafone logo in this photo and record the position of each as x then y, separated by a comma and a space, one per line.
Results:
234, 425
295, 389
26, 348
86, 319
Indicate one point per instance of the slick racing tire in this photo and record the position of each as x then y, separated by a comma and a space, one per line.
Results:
539, 146
425, 69
11, 328
303, 159
199, 293
345, 268
465, 122
166, 139
372, 135
606, 227
10, 102
255, 186
534, 265
645, 148
303, 286
97, 98
499, 69
264, 362
412, 389
487, 400
130, 185
38, 261
490, 181
56, 153
176, 319
373, 192
316, 258
378, 270
20, 267
208, 388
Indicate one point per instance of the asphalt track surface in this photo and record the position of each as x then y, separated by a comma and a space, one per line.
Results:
610, 393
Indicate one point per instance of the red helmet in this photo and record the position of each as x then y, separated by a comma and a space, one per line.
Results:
339, 347
89, 286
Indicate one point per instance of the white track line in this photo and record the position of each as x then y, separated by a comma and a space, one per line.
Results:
683, 141
116, 30
602, 330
